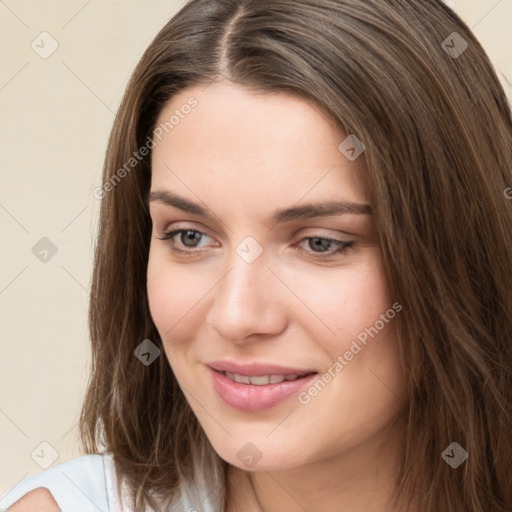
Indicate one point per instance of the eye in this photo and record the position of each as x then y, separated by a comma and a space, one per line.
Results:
325, 245
189, 240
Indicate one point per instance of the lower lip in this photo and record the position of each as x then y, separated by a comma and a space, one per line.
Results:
251, 398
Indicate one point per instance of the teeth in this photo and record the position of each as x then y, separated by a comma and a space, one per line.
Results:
241, 379
260, 380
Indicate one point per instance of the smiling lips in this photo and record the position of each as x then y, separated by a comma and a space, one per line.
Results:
255, 387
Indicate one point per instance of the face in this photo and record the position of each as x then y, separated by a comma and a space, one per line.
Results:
239, 283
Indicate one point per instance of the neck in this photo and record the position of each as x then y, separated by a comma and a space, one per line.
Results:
361, 480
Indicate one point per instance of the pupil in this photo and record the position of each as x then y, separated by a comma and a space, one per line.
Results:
190, 236
321, 243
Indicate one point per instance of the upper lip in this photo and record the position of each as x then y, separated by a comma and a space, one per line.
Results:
257, 369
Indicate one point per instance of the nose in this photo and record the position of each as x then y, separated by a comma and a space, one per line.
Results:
248, 302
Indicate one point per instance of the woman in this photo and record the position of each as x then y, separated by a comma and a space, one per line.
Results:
303, 278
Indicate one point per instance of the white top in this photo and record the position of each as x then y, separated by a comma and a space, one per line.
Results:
90, 484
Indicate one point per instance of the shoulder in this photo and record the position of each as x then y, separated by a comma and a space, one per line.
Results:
82, 483
40, 500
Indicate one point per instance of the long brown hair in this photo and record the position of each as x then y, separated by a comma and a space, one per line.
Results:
437, 130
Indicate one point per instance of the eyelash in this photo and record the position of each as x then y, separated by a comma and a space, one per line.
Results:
344, 247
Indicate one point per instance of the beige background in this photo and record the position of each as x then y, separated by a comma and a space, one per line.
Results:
56, 115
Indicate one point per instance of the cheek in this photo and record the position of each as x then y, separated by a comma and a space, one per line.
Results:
174, 296
174, 303
350, 313
341, 303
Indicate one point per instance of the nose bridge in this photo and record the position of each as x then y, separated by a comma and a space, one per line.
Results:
245, 298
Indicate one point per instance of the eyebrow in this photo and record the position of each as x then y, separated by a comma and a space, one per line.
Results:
305, 211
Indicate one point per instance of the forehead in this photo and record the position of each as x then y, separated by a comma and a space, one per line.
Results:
255, 145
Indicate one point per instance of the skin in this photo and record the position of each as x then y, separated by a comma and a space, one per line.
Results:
243, 155
38, 500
